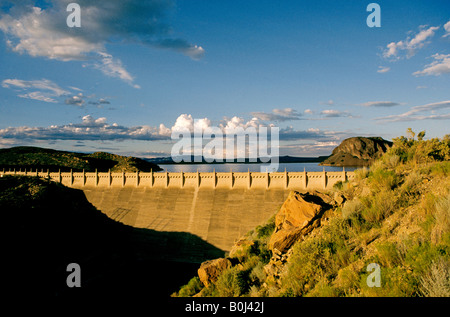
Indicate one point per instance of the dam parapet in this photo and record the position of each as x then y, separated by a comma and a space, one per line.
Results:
211, 180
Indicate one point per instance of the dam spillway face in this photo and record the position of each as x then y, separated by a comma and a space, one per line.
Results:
217, 207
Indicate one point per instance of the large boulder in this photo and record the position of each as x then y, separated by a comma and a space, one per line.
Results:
299, 214
210, 270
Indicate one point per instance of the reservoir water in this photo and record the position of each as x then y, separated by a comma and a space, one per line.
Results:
256, 167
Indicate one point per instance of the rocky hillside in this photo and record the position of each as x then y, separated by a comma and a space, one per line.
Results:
357, 151
395, 217
41, 158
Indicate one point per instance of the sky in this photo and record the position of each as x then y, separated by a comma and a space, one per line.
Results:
136, 70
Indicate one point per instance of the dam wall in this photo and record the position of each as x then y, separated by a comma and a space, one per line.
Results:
217, 207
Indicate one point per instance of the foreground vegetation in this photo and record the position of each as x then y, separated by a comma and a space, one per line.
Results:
396, 214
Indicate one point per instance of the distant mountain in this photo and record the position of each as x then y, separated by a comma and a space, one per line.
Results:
191, 160
41, 158
357, 151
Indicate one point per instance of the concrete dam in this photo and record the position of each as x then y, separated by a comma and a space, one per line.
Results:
217, 207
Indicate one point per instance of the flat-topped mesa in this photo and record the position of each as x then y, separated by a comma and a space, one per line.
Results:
247, 180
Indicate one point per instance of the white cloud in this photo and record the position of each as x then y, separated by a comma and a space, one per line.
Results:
416, 113
43, 32
89, 129
383, 69
48, 91
441, 65
447, 29
183, 122
76, 100
37, 95
410, 45
114, 68
332, 113
379, 104
42, 84
278, 115
43, 89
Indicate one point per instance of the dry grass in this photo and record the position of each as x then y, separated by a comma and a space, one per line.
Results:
436, 283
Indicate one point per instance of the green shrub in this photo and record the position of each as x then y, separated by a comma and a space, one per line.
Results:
410, 187
361, 173
191, 288
265, 231
229, 283
258, 275
381, 179
378, 207
389, 255
352, 208
339, 185
323, 289
440, 169
391, 160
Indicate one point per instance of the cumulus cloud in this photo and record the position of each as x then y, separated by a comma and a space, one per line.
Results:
447, 29
278, 115
76, 100
94, 129
379, 104
423, 112
440, 65
89, 128
42, 32
410, 45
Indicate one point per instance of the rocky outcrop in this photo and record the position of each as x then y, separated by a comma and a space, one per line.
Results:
210, 270
357, 151
299, 214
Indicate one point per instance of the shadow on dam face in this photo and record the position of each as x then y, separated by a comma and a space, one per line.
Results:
48, 226
218, 216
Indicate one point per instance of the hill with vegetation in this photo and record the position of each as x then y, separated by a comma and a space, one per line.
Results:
34, 157
357, 151
395, 214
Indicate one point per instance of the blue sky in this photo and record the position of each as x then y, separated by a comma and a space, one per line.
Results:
135, 70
